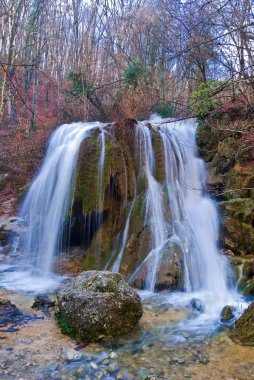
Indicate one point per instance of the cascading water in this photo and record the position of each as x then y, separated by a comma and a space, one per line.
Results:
45, 206
154, 207
194, 224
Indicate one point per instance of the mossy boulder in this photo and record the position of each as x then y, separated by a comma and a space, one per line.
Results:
243, 329
98, 305
238, 231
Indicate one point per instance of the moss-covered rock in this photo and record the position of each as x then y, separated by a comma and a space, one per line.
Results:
243, 331
98, 305
3, 238
207, 140
238, 231
159, 156
169, 273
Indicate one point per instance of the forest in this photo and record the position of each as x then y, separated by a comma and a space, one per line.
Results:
96, 60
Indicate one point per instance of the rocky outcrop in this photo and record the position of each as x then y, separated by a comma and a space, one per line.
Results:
97, 305
243, 331
238, 230
102, 204
225, 141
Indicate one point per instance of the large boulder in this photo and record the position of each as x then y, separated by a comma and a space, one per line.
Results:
243, 331
97, 305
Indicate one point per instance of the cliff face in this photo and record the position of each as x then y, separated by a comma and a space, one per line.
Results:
226, 142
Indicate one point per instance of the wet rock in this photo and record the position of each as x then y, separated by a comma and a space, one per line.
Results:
43, 303
97, 305
73, 355
196, 304
170, 270
243, 331
9, 313
246, 283
169, 274
113, 367
227, 313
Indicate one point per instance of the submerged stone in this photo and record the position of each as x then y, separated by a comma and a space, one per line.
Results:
98, 305
196, 304
243, 330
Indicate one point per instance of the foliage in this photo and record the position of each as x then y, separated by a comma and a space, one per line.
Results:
133, 72
165, 110
202, 99
80, 85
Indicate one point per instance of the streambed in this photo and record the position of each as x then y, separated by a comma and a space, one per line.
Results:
158, 348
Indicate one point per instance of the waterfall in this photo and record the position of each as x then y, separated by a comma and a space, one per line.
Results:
194, 216
194, 224
45, 206
178, 211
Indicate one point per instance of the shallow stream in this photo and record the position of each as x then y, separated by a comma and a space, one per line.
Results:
165, 345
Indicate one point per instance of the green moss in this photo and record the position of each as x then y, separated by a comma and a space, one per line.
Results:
87, 175
64, 325
239, 181
228, 147
3, 237
159, 156
238, 230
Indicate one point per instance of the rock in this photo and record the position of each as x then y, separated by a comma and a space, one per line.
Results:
169, 274
112, 367
243, 331
196, 304
9, 313
97, 305
238, 231
43, 303
246, 283
227, 313
73, 355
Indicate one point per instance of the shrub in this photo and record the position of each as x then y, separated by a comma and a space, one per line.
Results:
202, 100
80, 85
133, 72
